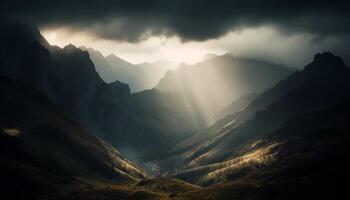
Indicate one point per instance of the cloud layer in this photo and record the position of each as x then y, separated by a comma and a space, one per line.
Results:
198, 20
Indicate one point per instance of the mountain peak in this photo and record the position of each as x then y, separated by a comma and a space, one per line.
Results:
73, 50
70, 46
326, 61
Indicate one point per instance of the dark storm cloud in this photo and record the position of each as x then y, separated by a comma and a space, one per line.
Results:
189, 19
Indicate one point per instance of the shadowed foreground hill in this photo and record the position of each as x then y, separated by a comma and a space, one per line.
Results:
42, 150
148, 189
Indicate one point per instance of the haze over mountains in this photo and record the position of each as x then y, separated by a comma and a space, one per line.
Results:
232, 128
139, 77
109, 111
215, 83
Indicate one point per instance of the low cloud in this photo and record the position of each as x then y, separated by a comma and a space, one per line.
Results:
264, 43
196, 20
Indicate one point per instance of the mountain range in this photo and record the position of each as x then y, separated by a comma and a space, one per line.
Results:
132, 123
263, 131
143, 76
215, 83
68, 77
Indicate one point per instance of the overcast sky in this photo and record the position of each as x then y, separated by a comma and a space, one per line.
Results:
287, 32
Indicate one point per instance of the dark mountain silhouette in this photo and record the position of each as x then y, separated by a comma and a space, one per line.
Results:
43, 151
68, 77
217, 82
308, 110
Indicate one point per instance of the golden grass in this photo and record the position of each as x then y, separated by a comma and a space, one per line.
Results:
260, 156
13, 132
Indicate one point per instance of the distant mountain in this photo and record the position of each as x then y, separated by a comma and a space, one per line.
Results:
139, 77
286, 140
133, 123
215, 83
42, 150
113, 68
107, 72
152, 72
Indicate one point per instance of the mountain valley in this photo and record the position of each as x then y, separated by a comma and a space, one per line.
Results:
71, 126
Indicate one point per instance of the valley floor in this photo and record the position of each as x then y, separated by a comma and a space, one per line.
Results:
152, 189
